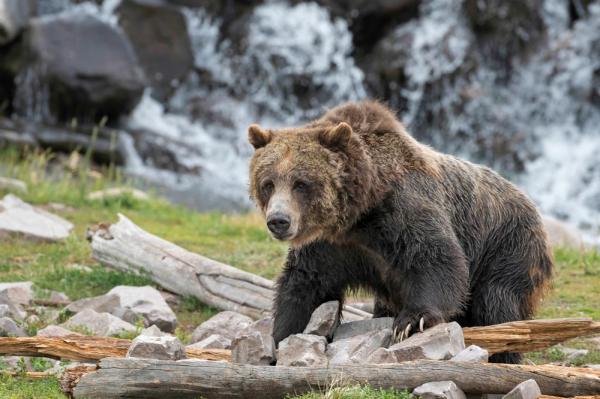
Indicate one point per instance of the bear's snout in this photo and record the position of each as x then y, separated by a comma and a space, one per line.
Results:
279, 224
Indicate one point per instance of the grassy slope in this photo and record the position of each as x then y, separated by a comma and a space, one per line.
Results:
239, 240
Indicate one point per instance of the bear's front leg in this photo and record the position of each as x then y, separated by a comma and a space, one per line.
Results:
432, 272
313, 274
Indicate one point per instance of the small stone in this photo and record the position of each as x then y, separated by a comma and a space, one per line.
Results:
439, 390
56, 296
18, 217
440, 342
153, 331
8, 328
145, 302
227, 324
358, 348
359, 327
255, 344
20, 293
324, 319
4, 310
526, 390
163, 348
117, 192
302, 350
7, 183
12, 310
473, 354
32, 319
215, 341
103, 324
55, 331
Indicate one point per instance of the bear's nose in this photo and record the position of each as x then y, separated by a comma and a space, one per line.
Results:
278, 223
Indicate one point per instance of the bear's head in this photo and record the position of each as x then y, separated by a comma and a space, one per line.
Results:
308, 182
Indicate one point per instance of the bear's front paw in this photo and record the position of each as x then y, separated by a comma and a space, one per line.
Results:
409, 322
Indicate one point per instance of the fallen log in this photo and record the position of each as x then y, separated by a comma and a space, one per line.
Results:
529, 335
148, 378
86, 348
127, 247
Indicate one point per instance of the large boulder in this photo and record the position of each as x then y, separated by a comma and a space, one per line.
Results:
226, 324
358, 348
19, 293
163, 348
13, 18
83, 67
324, 319
255, 344
302, 350
103, 324
160, 39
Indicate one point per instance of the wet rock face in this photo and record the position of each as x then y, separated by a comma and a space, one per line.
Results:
506, 29
95, 76
159, 36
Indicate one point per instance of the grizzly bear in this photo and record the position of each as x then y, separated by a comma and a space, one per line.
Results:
364, 205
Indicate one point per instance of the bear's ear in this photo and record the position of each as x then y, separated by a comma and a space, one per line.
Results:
258, 137
336, 138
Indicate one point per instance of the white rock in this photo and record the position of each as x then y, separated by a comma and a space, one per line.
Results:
227, 324
145, 302
324, 319
254, 344
163, 348
55, 331
439, 390
20, 293
13, 18
526, 390
359, 327
473, 354
153, 331
358, 348
302, 350
215, 341
18, 217
103, 324
440, 342
8, 328
6, 182
117, 192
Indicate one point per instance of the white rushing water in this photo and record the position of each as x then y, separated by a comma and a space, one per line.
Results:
296, 61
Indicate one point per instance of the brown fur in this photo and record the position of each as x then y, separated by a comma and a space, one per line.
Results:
435, 237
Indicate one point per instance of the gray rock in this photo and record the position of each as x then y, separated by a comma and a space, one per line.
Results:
58, 297
8, 328
358, 348
439, 390
163, 348
32, 319
227, 324
359, 327
561, 234
593, 366
20, 293
302, 350
437, 343
18, 217
364, 306
4, 310
103, 303
473, 353
14, 311
153, 331
145, 302
55, 331
324, 319
5, 182
13, 18
572, 354
526, 390
103, 324
215, 341
255, 344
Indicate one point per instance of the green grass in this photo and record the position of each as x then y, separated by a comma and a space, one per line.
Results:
239, 239
356, 392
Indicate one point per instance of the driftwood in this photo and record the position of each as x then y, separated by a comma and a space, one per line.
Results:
146, 378
528, 335
127, 247
86, 348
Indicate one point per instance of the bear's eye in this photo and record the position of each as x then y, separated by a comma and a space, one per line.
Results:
267, 187
300, 186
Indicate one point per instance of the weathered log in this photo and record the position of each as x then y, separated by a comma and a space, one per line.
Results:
528, 335
146, 378
86, 348
127, 247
